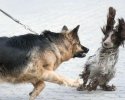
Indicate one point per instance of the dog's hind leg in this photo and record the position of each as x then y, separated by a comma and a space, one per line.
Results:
108, 87
103, 83
53, 77
38, 87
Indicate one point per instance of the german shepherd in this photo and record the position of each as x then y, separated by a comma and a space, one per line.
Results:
33, 58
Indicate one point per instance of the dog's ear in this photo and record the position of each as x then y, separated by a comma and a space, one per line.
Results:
110, 20
64, 29
75, 30
73, 33
121, 28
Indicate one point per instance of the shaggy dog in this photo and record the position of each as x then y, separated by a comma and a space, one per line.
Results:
100, 68
33, 58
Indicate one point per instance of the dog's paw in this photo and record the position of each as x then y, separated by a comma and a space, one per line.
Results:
81, 88
76, 83
109, 88
89, 87
71, 83
93, 84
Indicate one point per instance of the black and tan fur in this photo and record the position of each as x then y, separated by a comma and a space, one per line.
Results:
33, 58
100, 68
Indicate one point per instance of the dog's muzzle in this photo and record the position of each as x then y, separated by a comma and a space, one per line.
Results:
81, 54
86, 50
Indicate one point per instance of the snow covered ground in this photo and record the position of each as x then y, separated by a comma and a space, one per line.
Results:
52, 15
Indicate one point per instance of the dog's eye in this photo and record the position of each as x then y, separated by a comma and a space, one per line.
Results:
113, 37
77, 43
107, 35
104, 38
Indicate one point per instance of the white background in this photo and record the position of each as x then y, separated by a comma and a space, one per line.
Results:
52, 15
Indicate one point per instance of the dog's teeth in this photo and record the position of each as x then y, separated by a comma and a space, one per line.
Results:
83, 54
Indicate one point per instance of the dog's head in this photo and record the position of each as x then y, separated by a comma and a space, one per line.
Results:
113, 36
77, 50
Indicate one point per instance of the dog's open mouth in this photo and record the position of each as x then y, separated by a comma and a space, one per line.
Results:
79, 55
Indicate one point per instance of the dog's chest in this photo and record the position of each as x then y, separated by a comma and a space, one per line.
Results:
107, 59
104, 61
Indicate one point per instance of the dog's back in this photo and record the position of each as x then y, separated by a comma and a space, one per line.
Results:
15, 52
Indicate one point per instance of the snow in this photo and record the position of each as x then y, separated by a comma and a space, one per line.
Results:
52, 15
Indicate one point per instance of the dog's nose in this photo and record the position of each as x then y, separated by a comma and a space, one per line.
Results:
105, 44
87, 50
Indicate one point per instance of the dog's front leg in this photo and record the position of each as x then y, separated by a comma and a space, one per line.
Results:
38, 87
53, 77
92, 84
85, 77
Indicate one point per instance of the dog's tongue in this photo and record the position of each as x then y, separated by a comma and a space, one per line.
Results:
82, 55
